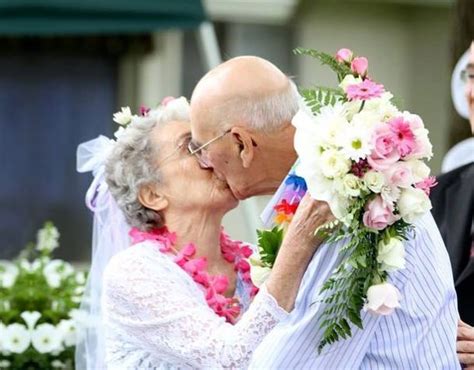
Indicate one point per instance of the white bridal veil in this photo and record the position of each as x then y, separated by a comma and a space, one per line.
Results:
110, 236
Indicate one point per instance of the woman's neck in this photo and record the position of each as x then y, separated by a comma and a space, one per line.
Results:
203, 228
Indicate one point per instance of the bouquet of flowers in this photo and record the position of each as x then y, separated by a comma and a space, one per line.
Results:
39, 297
365, 158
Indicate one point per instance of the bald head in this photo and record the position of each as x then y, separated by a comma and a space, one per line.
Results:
246, 90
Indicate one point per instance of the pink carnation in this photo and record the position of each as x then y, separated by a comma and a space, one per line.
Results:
427, 184
402, 135
364, 90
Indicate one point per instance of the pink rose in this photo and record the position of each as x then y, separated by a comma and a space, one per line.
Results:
399, 174
382, 299
360, 65
378, 214
344, 55
385, 151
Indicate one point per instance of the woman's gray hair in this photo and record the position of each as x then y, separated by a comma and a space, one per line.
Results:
132, 163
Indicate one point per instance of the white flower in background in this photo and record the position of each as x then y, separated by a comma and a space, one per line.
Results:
46, 338
68, 332
81, 278
17, 338
349, 80
8, 274
56, 271
350, 185
356, 143
4, 364
47, 238
58, 364
3, 329
30, 267
382, 299
334, 164
391, 254
30, 318
419, 169
413, 203
124, 117
374, 180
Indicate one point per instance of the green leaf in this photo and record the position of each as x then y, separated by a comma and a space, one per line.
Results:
341, 69
269, 243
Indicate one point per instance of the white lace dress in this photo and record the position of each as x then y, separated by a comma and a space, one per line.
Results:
156, 317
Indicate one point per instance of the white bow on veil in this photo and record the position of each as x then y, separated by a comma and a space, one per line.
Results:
110, 236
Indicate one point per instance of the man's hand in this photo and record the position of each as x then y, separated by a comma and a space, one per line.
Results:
310, 215
465, 345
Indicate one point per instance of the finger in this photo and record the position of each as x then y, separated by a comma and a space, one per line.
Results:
464, 346
466, 358
465, 333
463, 324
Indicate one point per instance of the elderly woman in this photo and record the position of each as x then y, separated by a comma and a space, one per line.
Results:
181, 296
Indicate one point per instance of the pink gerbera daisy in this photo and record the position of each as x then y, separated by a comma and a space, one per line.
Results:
403, 136
364, 90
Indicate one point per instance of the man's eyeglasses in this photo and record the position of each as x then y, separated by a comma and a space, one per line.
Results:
198, 150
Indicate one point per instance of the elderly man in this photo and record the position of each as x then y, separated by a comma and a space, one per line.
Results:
241, 116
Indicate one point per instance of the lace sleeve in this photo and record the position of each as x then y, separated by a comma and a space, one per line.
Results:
157, 304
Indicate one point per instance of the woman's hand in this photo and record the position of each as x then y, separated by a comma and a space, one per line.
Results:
465, 345
296, 251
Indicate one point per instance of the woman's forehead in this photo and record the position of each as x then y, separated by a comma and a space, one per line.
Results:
172, 131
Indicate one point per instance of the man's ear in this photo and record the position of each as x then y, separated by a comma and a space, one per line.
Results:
150, 197
246, 145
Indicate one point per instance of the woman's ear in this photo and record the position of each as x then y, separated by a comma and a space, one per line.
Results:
246, 145
150, 197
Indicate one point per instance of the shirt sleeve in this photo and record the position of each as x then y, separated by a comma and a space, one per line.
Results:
153, 302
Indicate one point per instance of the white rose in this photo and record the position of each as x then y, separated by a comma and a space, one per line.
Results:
350, 185
349, 80
391, 254
382, 299
333, 163
124, 117
46, 338
382, 107
419, 169
259, 274
413, 203
17, 338
374, 180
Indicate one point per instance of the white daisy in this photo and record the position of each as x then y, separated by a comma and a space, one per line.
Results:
356, 143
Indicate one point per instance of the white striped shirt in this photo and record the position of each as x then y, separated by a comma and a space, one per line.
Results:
419, 335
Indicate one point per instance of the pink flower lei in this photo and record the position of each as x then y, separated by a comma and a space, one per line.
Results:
213, 286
